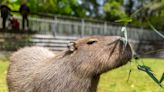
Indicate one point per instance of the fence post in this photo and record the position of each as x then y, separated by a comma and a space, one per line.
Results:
105, 28
82, 27
54, 26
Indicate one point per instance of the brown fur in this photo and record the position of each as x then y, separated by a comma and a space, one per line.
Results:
73, 70
22, 64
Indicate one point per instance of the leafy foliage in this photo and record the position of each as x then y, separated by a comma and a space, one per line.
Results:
113, 10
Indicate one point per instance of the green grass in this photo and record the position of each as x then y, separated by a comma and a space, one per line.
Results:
3, 70
116, 80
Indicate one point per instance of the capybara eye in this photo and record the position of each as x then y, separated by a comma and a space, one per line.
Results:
91, 42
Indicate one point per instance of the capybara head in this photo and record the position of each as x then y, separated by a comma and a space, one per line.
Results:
98, 54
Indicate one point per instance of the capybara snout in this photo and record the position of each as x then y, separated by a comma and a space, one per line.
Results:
125, 52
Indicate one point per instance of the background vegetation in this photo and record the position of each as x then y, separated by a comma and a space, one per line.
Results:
108, 10
115, 80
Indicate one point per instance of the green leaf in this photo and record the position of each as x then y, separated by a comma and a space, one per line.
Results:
148, 70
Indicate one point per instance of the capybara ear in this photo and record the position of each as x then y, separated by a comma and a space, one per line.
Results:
72, 46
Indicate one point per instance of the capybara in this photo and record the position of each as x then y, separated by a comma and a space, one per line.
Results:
77, 69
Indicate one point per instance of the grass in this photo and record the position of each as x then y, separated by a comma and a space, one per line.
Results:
3, 70
116, 80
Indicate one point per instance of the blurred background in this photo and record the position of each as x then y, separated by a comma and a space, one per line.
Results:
107, 10
54, 23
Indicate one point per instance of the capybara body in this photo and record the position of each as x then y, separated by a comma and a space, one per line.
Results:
76, 69
22, 64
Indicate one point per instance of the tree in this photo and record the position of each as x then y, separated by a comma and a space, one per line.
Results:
114, 10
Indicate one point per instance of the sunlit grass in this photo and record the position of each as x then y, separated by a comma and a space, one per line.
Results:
116, 80
3, 70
